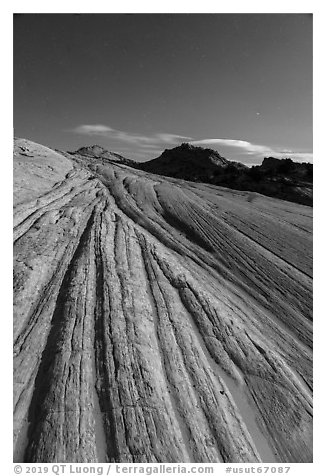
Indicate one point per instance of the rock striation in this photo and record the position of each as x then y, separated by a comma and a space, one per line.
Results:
157, 320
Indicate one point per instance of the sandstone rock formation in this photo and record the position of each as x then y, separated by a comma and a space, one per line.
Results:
157, 320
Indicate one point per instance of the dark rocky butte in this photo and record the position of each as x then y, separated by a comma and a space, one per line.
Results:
157, 320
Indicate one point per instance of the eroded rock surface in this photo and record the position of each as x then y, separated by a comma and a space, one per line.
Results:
157, 320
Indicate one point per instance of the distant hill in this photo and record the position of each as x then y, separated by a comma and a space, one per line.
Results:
279, 178
190, 163
98, 152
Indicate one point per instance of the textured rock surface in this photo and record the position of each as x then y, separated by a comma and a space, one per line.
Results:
157, 320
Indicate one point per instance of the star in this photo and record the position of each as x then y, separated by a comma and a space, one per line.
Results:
257, 113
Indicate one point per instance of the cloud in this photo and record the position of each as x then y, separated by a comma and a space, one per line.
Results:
93, 129
300, 156
246, 146
140, 140
168, 138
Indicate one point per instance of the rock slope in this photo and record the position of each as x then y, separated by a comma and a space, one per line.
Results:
157, 320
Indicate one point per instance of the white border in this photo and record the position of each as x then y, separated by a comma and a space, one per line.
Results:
169, 6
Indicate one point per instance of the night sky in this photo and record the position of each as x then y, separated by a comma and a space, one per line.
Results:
139, 83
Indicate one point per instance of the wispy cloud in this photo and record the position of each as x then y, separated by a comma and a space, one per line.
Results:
131, 138
247, 147
299, 156
93, 129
